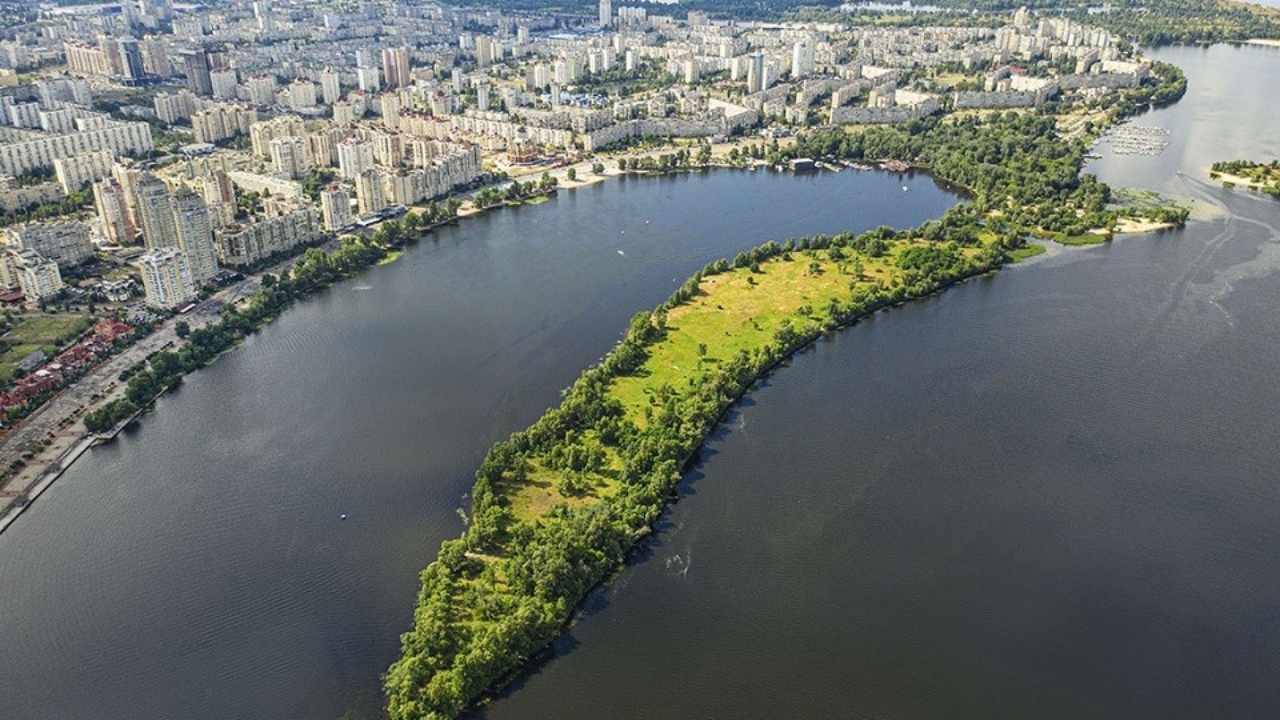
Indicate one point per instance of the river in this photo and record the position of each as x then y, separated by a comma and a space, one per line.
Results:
1049, 494
199, 568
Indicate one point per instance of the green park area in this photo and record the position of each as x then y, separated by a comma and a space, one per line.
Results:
29, 333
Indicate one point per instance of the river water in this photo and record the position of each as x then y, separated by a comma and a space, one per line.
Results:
199, 569
1050, 493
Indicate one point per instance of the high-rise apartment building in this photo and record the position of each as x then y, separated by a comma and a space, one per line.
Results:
370, 195
290, 157
113, 212
395, 67
65, 243
196, 66
155, 212
166, 278
195, 235
330, 88
335, 207
354, 157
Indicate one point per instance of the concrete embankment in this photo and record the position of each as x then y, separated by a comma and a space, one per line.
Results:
53, 472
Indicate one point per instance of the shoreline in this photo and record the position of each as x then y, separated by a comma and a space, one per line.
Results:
26, 481
21, 489
1238, 181
46, 480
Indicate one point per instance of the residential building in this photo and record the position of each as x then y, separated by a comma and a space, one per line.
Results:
195, 235
65, 243
154, 208
354, 157
263, 132
290, 157
223, 83
395, 67
370, 196
335, 207
113, 212
75, 172
121, 138
286, 227
330, 88
36, 276
166, 278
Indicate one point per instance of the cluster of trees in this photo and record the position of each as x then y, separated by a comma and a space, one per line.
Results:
667, 162
316, 180
414, 224
515, 192
1265, 174
617, 80
312, 272
75, 202
498, 594
1014, 163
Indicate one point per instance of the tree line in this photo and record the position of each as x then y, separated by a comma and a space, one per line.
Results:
500, 593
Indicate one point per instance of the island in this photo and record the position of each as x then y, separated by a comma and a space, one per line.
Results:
210, 197
558, 507
1248, 174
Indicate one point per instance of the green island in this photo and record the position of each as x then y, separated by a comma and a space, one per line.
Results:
1249, 174
557, 507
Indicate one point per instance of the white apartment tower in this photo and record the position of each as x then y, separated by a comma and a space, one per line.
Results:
166, 277
370, 195
224, 83
354, 157
195, 235
335, 207
330, 88
155, 212
289, 157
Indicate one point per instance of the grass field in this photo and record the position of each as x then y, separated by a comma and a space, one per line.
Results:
38, 332
738, 310
1028, 251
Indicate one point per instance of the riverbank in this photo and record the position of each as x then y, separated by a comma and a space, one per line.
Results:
43, 440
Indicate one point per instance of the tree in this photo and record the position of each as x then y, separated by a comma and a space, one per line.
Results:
182, 329
572, 174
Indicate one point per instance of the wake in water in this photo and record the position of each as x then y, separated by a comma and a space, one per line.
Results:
1190, 298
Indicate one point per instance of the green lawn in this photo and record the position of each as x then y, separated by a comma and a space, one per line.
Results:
38, 332
733, 311
1027, 251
